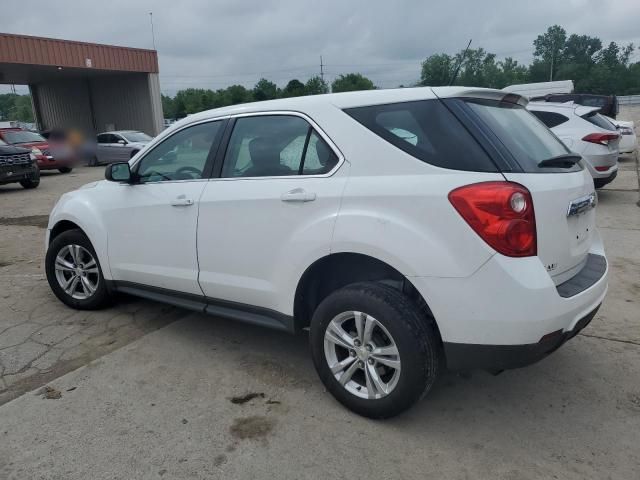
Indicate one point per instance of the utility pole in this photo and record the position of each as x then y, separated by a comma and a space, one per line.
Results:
153, 35
552, 56
321, 69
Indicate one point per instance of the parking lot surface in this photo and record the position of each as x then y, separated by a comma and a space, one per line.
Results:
168, 394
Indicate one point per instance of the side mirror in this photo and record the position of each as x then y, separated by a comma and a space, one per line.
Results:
118, 172
122, 142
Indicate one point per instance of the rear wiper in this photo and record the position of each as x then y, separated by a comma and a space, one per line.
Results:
566, 160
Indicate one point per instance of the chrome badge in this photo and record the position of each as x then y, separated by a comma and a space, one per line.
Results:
582, 204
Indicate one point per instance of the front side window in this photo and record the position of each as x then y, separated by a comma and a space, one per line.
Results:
182, 156
104, 138
276, 146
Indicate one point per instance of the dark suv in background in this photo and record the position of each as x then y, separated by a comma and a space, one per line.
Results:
608, 104
17, 165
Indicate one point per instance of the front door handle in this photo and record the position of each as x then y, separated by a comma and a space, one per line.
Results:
181, 201
298, 195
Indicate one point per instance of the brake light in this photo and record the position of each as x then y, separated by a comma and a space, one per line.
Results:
603, 169
501, 213
601, 138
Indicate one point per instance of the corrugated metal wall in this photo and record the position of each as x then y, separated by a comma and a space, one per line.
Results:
25, 49
64, 104
123, 102
118, 102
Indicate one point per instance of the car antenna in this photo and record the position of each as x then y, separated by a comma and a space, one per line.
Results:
455, 73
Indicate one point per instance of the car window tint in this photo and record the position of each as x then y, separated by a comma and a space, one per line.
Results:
527, 139
182, 156
599, 121
319, 158
428, 131
103, 138
550, 119
265, 146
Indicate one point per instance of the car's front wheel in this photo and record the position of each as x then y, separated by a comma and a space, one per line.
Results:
374, 350
65, 169
74, 272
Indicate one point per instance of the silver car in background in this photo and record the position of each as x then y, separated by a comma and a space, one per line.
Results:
118, 146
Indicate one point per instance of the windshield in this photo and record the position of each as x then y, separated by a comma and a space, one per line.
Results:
22, 136
527, 138
136, 137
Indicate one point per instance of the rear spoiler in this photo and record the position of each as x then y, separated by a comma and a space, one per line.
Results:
482, 93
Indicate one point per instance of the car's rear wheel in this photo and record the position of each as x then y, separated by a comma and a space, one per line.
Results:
373, 349
65, 169
74, 272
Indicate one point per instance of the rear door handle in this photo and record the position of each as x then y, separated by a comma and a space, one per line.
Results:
181, 201
298, 195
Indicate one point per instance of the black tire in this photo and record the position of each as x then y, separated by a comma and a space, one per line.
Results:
100, 298
65, 170
93, 162
33, 181
415, 336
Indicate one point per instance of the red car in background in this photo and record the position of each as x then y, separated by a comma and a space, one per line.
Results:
49, 155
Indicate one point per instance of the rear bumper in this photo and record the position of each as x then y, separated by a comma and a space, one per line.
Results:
512, 304
602, 181
461, 356
608, 161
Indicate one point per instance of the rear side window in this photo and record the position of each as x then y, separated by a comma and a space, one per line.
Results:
550, 119
428, 131
526, 139
599, 121
276, 146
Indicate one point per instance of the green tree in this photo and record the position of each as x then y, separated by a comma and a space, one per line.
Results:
437, 70
351, 82
265, 90
295, 88
549, 48
316, 86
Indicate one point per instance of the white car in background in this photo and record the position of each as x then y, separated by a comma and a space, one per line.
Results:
583, 130
628, 139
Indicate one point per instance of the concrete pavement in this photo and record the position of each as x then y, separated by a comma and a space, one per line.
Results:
171, 404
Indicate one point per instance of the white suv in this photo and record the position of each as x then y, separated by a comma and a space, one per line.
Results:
409, 230
583, 130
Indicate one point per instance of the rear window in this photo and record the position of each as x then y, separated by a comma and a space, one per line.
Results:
426, 130
550, 119
599, 121
528, 140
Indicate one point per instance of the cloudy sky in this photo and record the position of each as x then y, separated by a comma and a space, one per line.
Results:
215, 43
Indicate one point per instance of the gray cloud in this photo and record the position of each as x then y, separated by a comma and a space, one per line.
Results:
205, 43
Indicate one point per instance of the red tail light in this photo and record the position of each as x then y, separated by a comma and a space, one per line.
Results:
603, 169
501, 213
601, 138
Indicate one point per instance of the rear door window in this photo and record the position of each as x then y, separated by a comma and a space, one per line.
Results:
276, 146
426, 130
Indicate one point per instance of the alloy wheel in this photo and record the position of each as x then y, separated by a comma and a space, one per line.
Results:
362, 355
77, 271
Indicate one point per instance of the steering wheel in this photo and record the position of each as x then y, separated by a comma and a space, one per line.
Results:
189, 170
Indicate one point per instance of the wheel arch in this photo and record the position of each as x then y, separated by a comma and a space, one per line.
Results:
337, 270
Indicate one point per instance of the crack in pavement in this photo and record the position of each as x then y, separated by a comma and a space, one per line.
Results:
630, 342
